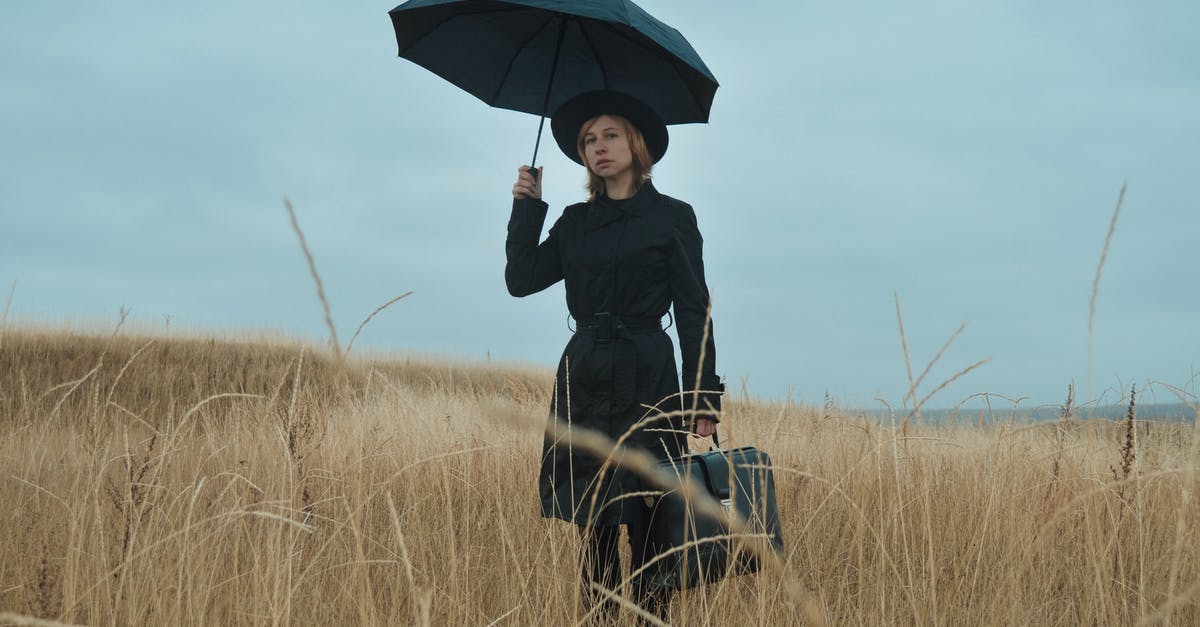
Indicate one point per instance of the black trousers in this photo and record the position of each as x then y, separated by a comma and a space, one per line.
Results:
601, 565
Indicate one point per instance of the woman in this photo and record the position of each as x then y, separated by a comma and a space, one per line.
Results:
626, 255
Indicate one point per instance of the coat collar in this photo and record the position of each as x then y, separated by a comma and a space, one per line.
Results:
641, 202
603, 211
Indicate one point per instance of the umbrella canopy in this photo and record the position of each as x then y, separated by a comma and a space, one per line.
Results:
534, 55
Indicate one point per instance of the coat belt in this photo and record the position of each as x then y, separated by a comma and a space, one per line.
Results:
605, 326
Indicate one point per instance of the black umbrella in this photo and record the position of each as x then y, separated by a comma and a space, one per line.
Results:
533, 55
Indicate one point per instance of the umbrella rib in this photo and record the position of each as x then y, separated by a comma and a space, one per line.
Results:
595, 53
657, 50
424, 35
512, 61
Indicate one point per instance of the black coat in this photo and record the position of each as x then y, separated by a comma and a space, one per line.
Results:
629, 261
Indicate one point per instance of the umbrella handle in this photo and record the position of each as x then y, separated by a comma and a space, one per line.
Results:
532, 169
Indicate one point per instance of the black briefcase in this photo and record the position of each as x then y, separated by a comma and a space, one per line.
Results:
739, 479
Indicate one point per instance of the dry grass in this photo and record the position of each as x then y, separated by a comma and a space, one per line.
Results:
165, 481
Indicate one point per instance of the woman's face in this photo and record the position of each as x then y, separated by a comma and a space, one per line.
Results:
606, 147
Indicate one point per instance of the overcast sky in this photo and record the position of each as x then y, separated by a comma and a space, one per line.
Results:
965, 155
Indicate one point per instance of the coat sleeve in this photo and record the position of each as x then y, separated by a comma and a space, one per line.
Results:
531, 267
689, 292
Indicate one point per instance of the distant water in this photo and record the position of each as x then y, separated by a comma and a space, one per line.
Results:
1174, 412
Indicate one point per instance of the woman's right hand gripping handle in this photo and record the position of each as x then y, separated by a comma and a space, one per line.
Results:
527, 186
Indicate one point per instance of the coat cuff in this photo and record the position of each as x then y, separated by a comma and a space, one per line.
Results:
706, 403
525, 224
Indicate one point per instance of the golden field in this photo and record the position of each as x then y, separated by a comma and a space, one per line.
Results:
173, 480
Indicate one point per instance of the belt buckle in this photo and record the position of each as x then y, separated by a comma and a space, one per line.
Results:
604, 327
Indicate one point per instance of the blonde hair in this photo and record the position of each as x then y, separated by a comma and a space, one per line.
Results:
642, 161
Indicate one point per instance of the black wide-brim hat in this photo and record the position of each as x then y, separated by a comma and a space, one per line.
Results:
573, 113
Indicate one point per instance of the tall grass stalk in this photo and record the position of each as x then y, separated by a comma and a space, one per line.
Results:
1112, 228
316, 276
